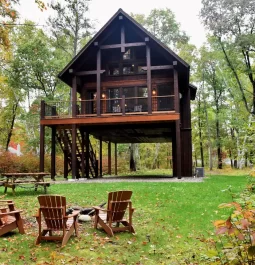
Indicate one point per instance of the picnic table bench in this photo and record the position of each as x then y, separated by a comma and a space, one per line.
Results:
17, 179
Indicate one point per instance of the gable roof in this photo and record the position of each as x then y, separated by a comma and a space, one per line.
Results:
62, 74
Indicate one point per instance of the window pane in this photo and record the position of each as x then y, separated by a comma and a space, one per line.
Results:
127, 55
128, 69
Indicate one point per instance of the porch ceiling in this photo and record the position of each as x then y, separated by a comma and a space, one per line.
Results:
135, 134
132, 133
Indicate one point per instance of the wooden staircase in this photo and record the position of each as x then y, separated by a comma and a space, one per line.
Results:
64, 137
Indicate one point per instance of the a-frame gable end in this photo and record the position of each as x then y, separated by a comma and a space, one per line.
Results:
120, 32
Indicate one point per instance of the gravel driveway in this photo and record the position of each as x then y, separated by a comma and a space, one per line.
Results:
109, 179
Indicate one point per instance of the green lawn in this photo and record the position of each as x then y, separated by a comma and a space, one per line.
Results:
175, 216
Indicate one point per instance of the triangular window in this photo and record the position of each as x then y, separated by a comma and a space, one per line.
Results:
127, 55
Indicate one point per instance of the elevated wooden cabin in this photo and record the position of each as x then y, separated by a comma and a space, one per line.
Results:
131, 89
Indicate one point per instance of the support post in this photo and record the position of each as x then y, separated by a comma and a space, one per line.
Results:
98, 83
74, 96
53, 152
116, 165
148, 60
42, 142
42, 109
178, 156
186, 132
100, 158
74, 156
109, 158
122, 38
178, 149
87, 154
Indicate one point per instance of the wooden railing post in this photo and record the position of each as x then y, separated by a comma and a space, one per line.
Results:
148, 62
123, 107
74, 96
98, 83
42, 109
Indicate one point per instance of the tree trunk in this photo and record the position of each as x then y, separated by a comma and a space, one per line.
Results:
154, 164
200, 132
208, 137
132, 163
14, 112
230, 157
218, 144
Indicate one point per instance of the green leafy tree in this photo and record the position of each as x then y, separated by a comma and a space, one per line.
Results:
232, 22
71, 24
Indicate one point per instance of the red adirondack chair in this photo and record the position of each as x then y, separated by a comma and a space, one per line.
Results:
10, 218
52, 218
113, 217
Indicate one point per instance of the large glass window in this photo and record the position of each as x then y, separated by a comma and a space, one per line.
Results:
128, 69
142, 101
164, 100
114, 102
114, 70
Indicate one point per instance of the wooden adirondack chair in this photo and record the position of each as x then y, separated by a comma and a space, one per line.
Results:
53, 211
10, 218
118, 203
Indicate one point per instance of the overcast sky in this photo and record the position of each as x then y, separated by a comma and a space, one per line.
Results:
186, 12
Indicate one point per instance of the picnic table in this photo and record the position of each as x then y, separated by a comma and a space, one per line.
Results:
18, 179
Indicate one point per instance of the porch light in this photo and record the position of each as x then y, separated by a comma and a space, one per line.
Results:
95, 95
153, 92
180, 95
103, 95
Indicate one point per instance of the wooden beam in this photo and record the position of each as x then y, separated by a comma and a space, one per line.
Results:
74, 156
123, 105
158, 67
178, 149
42, 109
135, 44
122, 38
74, 96
116, 165
115, 46
109, 158
42, 142
111, 120
176, 92
128, 82
94, 72
98, 82
148, 60
53, 152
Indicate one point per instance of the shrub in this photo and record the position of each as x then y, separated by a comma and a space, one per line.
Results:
27, 163
235, 243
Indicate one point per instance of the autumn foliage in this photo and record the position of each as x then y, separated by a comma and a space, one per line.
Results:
236, 235
26, 163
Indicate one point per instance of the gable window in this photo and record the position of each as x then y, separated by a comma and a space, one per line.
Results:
127, 55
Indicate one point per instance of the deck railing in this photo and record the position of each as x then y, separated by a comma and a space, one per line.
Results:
113, 106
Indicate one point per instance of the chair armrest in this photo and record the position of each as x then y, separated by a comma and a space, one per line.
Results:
74, 214
36, 215
97, 208
10, 213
